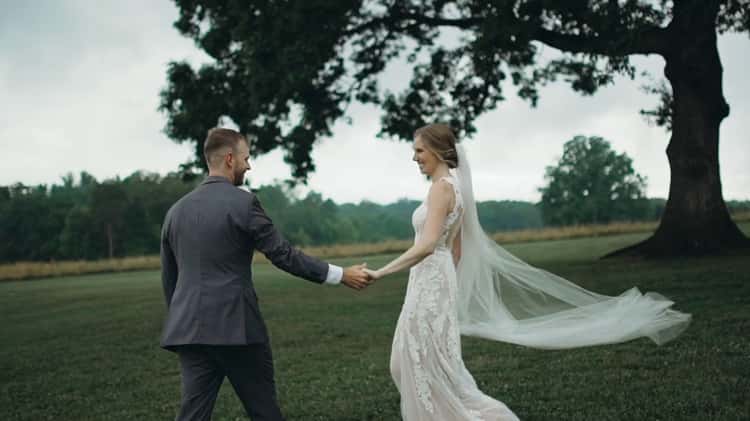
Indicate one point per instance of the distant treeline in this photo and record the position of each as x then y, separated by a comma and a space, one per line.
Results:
88, 219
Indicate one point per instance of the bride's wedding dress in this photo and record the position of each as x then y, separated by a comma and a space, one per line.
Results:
426, 362
494, 295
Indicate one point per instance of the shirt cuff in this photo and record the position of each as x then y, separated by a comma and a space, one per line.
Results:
335, 274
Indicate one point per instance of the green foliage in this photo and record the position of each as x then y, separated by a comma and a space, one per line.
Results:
381, 223
737, 206
86, 347
28, 222
314, 221
284, 72
508, 215
72, 220
592, 184
80, 221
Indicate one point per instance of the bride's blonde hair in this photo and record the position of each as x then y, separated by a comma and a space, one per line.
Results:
440, 139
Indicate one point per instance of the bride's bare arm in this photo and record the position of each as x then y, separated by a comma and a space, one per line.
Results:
438, 206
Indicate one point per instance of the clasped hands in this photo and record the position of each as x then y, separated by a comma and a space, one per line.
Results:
359, 277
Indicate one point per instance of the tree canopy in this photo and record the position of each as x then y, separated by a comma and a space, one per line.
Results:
285, 71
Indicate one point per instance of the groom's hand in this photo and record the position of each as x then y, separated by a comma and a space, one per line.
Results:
355, 277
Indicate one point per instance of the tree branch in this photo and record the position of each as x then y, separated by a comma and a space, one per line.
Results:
464, 23
650, 41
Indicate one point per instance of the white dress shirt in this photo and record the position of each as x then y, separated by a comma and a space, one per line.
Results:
335, 274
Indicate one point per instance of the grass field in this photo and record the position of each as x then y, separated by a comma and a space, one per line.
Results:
86, 348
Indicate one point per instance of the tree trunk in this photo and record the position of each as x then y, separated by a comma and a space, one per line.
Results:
695, 219
110, 241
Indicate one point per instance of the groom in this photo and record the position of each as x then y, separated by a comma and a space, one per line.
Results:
213, 320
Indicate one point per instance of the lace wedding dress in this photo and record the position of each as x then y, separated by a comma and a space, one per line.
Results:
426, 362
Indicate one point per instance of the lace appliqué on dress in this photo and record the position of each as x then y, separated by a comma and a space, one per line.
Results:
427, 286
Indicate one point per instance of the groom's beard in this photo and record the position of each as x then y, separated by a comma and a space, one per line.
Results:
239, 178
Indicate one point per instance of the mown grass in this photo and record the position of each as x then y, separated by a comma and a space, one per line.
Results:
33, 270
86, 347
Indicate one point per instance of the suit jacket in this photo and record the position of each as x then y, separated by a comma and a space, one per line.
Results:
207, 243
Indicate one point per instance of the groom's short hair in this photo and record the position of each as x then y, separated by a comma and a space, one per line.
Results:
217, 141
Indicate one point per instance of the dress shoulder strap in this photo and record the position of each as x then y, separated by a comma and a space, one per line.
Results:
450, 179
453, 182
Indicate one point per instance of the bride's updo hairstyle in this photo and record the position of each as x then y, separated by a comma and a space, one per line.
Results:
440, 139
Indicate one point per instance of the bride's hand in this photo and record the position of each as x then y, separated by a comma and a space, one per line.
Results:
373, 274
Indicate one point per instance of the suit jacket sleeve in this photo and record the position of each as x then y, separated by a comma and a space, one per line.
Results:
270, 242
168, 266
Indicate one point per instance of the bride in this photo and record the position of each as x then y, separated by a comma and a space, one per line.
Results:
462, 282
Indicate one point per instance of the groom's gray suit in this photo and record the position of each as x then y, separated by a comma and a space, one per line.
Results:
213, 320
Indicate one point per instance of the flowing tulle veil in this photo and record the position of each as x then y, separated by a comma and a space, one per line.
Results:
505, 299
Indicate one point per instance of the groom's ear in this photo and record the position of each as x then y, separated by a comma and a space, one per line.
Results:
229, 158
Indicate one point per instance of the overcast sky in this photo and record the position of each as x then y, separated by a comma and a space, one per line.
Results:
79, 84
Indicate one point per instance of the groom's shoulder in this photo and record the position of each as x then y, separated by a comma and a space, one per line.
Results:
231, 192
222, 193
213, 195
177, 205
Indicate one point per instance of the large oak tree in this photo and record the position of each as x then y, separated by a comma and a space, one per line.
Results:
284, 71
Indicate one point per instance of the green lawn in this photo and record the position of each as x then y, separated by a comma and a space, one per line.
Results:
86, 347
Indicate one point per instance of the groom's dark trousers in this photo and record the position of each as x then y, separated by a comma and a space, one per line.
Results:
213, 319
249, 369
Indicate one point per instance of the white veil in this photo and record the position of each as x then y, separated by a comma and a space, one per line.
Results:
505, 299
